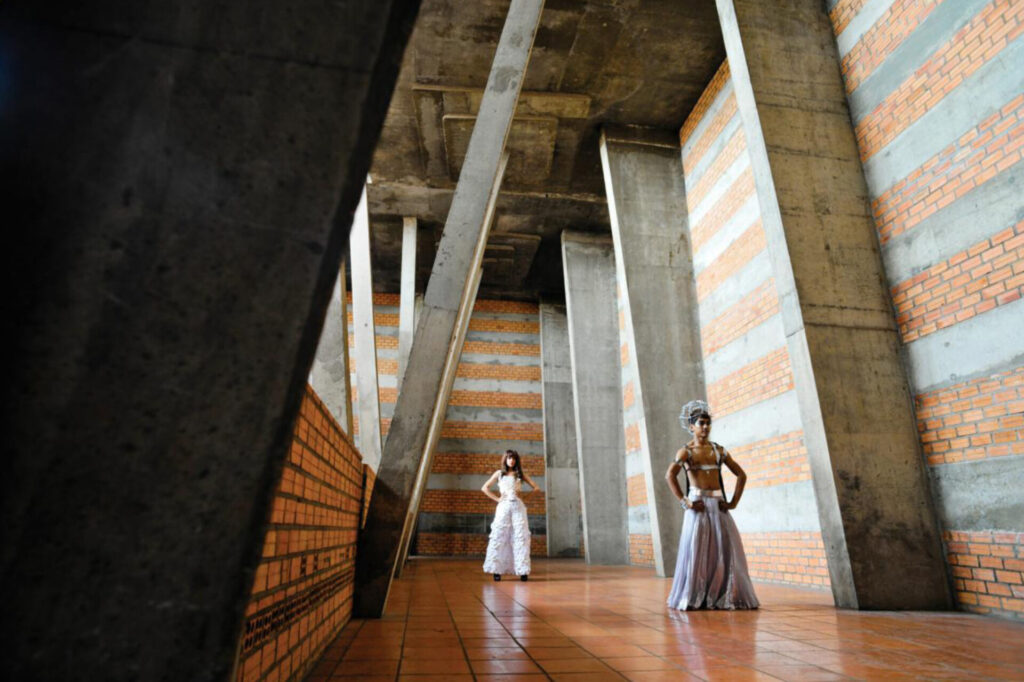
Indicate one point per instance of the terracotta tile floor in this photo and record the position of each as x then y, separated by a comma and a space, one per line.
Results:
448, 621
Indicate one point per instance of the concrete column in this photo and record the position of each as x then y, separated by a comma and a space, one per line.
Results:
178, 188
643, 177
877, 517
364, 330
589, 266
437, 343
407, 300
561, 462
329, 376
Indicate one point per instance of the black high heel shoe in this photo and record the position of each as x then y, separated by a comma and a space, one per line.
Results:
497, 577
524, 578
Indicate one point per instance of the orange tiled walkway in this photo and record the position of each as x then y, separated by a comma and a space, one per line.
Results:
448, 621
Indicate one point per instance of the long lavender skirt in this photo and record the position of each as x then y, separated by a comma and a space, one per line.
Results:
711, 569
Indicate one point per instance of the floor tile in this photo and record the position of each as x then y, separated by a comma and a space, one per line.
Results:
573, 665
443, 612
354, 668
547, 653
420, 666
639, 663
674, 675
498, 667
496, 653
432, 653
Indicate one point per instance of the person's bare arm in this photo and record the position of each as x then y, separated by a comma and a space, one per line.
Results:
529, 482
741, 480
672, 476
486, 489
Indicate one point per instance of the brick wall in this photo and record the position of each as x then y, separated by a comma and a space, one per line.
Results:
302, 593
747, 368
495, 405
935, 92
988, 570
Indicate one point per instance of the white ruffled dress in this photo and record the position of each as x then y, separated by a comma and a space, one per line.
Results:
508, 550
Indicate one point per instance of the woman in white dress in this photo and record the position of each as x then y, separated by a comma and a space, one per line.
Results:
508, 550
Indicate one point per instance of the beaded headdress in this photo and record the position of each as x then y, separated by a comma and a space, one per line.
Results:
692, 411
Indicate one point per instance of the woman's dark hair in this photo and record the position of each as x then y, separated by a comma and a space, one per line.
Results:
518, 468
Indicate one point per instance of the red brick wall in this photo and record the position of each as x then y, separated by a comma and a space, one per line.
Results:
970, 283
302, 593
981, 40
796, 558
496, 318
712, 143
641, 551
988, 570
976, 419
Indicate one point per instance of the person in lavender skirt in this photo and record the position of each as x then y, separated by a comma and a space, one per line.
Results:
711, 568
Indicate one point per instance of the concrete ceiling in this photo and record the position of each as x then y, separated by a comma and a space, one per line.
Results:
627, 62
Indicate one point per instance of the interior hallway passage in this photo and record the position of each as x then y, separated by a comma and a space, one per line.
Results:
446, 620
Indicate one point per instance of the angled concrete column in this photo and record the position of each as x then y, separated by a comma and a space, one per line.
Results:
407, 299
364, 330
437, 343
178, 187
589, 266
561, 461
877, 518
643, 177
329, 376
451, 367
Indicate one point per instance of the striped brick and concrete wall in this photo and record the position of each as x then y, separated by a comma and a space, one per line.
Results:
746, 362
495, 405
641, 546
302, 593
936, 95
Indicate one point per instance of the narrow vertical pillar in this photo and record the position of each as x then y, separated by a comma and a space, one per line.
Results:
349, 423
329, 375
589, 267
877, 518
446, 306
407, 299
364, 330
647, 204
561, 462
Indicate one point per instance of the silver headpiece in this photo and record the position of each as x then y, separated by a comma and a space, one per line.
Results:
692, 411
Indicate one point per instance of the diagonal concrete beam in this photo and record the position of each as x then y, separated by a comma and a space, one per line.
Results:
643, 176
451, 278
364, 330
451, 367
329, 375
859, 427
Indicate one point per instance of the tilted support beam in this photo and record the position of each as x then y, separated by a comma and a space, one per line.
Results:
437, 338
448, 378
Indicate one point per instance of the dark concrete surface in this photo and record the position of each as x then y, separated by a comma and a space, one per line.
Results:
179, 181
